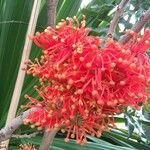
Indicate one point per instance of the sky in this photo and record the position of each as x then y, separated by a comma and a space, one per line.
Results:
84, 3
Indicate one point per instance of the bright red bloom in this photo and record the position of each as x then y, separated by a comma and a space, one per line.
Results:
86, 81
27, 147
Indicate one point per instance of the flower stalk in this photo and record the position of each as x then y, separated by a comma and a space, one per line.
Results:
115, 20
47, 139
51, 20
136, 28
6, 132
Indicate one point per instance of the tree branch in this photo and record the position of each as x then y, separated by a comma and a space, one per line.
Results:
47, 139
136, 28
116, 17
136, 7
25, 135
6, 132
51, 12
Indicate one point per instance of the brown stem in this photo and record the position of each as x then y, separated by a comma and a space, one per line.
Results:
136, 7
47, 139
51, 12
25, 135
137, 27
116, 17
6, 132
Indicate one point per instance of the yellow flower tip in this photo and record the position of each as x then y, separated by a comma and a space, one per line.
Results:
54, 37
35, 87
66, 140
43, 120
39, 128
37, 33
67, 18
22, 106
32, 126
98, 134
94, 92
26, 96
74, 17
49, 27
37, 123
72, 136
78, 141
62, 20
57, 26
83, 17
31, 37
63, 130
62, 40
26, 121
56, 125
46, 30
147, 42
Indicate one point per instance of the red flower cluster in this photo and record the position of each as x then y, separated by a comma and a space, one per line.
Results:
85, 82
27, 147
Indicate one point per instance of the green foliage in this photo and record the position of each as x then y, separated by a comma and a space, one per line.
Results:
11, 44
147, 107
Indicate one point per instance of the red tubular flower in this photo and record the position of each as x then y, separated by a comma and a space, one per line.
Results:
83, 82
27, 147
